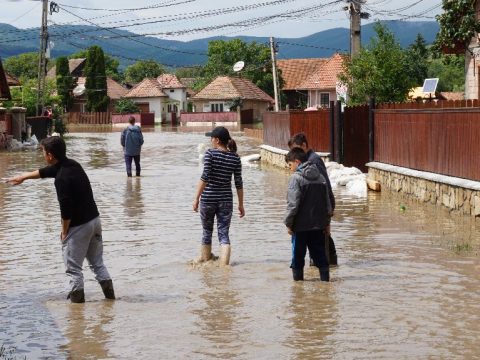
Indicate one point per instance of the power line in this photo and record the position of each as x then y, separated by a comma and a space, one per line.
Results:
311, 46
156, 6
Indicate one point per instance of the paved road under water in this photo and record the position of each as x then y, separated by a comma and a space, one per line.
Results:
408, 283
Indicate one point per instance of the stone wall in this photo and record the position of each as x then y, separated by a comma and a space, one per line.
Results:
459, 195
276, 156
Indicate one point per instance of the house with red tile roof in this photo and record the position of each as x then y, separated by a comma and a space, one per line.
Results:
115, 92
322, 84
220, 94
150, 97
177, 94
294, 72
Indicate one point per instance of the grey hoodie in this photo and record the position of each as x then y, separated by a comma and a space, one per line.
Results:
132, 140
308, 202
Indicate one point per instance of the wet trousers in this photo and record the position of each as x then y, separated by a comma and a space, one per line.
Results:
128, 163
84, 241
223, 212
314, 240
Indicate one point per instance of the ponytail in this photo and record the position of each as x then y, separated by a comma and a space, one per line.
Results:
232, 146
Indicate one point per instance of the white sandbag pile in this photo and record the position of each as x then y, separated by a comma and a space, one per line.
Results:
350, 177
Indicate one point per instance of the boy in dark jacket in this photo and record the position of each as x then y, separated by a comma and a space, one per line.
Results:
308, 214
300, 140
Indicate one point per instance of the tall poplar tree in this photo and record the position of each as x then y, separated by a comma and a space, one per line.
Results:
65, 83
96, 82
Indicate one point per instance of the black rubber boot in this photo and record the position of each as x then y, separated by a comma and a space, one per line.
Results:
324, 275
297, 274
107, 288
332, 256
77, 296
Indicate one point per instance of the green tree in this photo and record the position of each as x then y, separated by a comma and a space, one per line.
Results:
450, 72
96, 82
126, 106
222, 55
418, 57
23, 66
458, 25
143, 69
65, 83
26, 96
111, 64
380, 70
189, 72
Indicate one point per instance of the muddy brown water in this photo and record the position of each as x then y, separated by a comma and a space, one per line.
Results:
408, 283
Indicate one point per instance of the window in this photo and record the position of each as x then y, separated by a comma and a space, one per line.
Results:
172, 90
216, 107
325, 100
172, 108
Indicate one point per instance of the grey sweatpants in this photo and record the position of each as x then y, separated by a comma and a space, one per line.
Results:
84, 241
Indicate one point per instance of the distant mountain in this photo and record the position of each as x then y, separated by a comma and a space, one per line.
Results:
69, 39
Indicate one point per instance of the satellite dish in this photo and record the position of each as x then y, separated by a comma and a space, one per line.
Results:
238, 66
79, 90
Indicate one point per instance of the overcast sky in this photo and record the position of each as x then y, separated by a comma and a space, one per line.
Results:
193, 19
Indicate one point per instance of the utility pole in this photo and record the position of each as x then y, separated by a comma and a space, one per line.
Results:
356, 15
42, 59
274, 71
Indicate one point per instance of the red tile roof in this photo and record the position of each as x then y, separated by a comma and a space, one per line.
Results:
296, 71
227, 88
114, 89
75, 66
169, 81
145, 89
450, 95
326, 76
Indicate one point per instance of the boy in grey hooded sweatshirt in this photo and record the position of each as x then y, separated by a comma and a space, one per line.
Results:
308, 214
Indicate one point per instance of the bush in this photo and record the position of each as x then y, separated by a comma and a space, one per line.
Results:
126, 106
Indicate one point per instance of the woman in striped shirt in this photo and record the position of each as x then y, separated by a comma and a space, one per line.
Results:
214, 192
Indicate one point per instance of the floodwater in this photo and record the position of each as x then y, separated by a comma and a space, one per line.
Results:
407, 285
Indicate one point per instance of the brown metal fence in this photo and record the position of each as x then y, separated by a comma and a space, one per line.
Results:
355, 136
443, 141
89, 118
278, 127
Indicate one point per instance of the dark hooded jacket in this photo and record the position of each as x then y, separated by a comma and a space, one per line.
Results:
132, 140
308, 202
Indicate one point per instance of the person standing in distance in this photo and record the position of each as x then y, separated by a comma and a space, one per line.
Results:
132, 141
81, 234
215, 191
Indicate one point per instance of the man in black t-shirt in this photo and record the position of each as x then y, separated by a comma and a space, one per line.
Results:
81, 234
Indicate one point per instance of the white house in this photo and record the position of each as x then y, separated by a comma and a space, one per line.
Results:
149, 97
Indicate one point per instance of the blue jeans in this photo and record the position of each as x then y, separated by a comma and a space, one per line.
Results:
128, 163
223, 212
315, 241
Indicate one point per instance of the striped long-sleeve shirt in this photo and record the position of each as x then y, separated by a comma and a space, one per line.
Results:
217, 173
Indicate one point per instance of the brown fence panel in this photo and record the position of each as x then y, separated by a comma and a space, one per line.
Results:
89, 118
315, 125
276, 129
355, 137
443, 141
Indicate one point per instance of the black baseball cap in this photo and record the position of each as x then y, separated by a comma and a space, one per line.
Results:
219, 132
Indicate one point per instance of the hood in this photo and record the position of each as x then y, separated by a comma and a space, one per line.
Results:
133, 127
308, 170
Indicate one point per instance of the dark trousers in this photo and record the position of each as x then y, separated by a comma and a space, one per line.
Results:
314, 240
128, 163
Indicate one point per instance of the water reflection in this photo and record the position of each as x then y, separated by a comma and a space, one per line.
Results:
314, 317
133, 204
218, 319
86, 327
